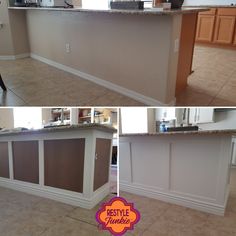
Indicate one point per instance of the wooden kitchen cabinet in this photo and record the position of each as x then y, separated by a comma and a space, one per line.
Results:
224, 29
205, 28
217, 27
235, 35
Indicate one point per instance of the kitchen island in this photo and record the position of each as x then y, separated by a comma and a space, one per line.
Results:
70, 164
186, 168
144, 54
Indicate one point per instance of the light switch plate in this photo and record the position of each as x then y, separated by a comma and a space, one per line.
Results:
176, 47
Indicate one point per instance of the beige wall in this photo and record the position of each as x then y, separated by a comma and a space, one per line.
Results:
6, 118
133, 51
13, 35
6, 44
19, 31
46, 115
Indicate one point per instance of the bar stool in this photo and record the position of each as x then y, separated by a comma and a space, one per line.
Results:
2, 85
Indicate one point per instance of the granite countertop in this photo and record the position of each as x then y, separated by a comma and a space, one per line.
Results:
213, 6
199, 132
104, 128
146, 11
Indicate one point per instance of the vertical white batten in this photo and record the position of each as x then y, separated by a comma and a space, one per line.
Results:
10, 155
41, 162
89, 165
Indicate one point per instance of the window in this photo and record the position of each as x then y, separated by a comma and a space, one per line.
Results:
90, 4
134, 120
28, 117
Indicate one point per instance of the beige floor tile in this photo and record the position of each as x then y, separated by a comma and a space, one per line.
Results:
115, 99
71, 227
10, 99
221, 102
226, 223
86, 215
231, 205
228, 91
210, 86
193, 98
23, 214
53, 207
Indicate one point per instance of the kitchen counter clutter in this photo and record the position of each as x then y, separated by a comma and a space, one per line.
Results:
153, 44
186, 168
68, 164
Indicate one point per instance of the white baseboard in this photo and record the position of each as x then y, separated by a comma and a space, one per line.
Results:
178, 200
14, 57
127, 92
68, 197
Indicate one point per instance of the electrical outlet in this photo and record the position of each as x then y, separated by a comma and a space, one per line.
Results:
67, 47
176, 47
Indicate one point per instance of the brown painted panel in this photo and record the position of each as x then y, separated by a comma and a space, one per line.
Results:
64, 163
102, 162
26, 161
187, 39
4, 161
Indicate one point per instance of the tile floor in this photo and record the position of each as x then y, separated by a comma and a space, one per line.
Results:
34, 83
22, 214
213, 82
31, 82
163, 219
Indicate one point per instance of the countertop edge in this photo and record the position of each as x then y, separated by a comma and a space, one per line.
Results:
201, 132
213, 6
148, 11
104, 128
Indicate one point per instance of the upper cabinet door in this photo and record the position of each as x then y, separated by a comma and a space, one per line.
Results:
205, 115
201, 115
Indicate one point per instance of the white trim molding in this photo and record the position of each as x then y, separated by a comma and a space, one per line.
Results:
68, 197
14, 57
175, 199
127, 92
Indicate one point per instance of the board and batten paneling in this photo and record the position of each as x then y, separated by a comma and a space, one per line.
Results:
190, 170
4, 160
26, 161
